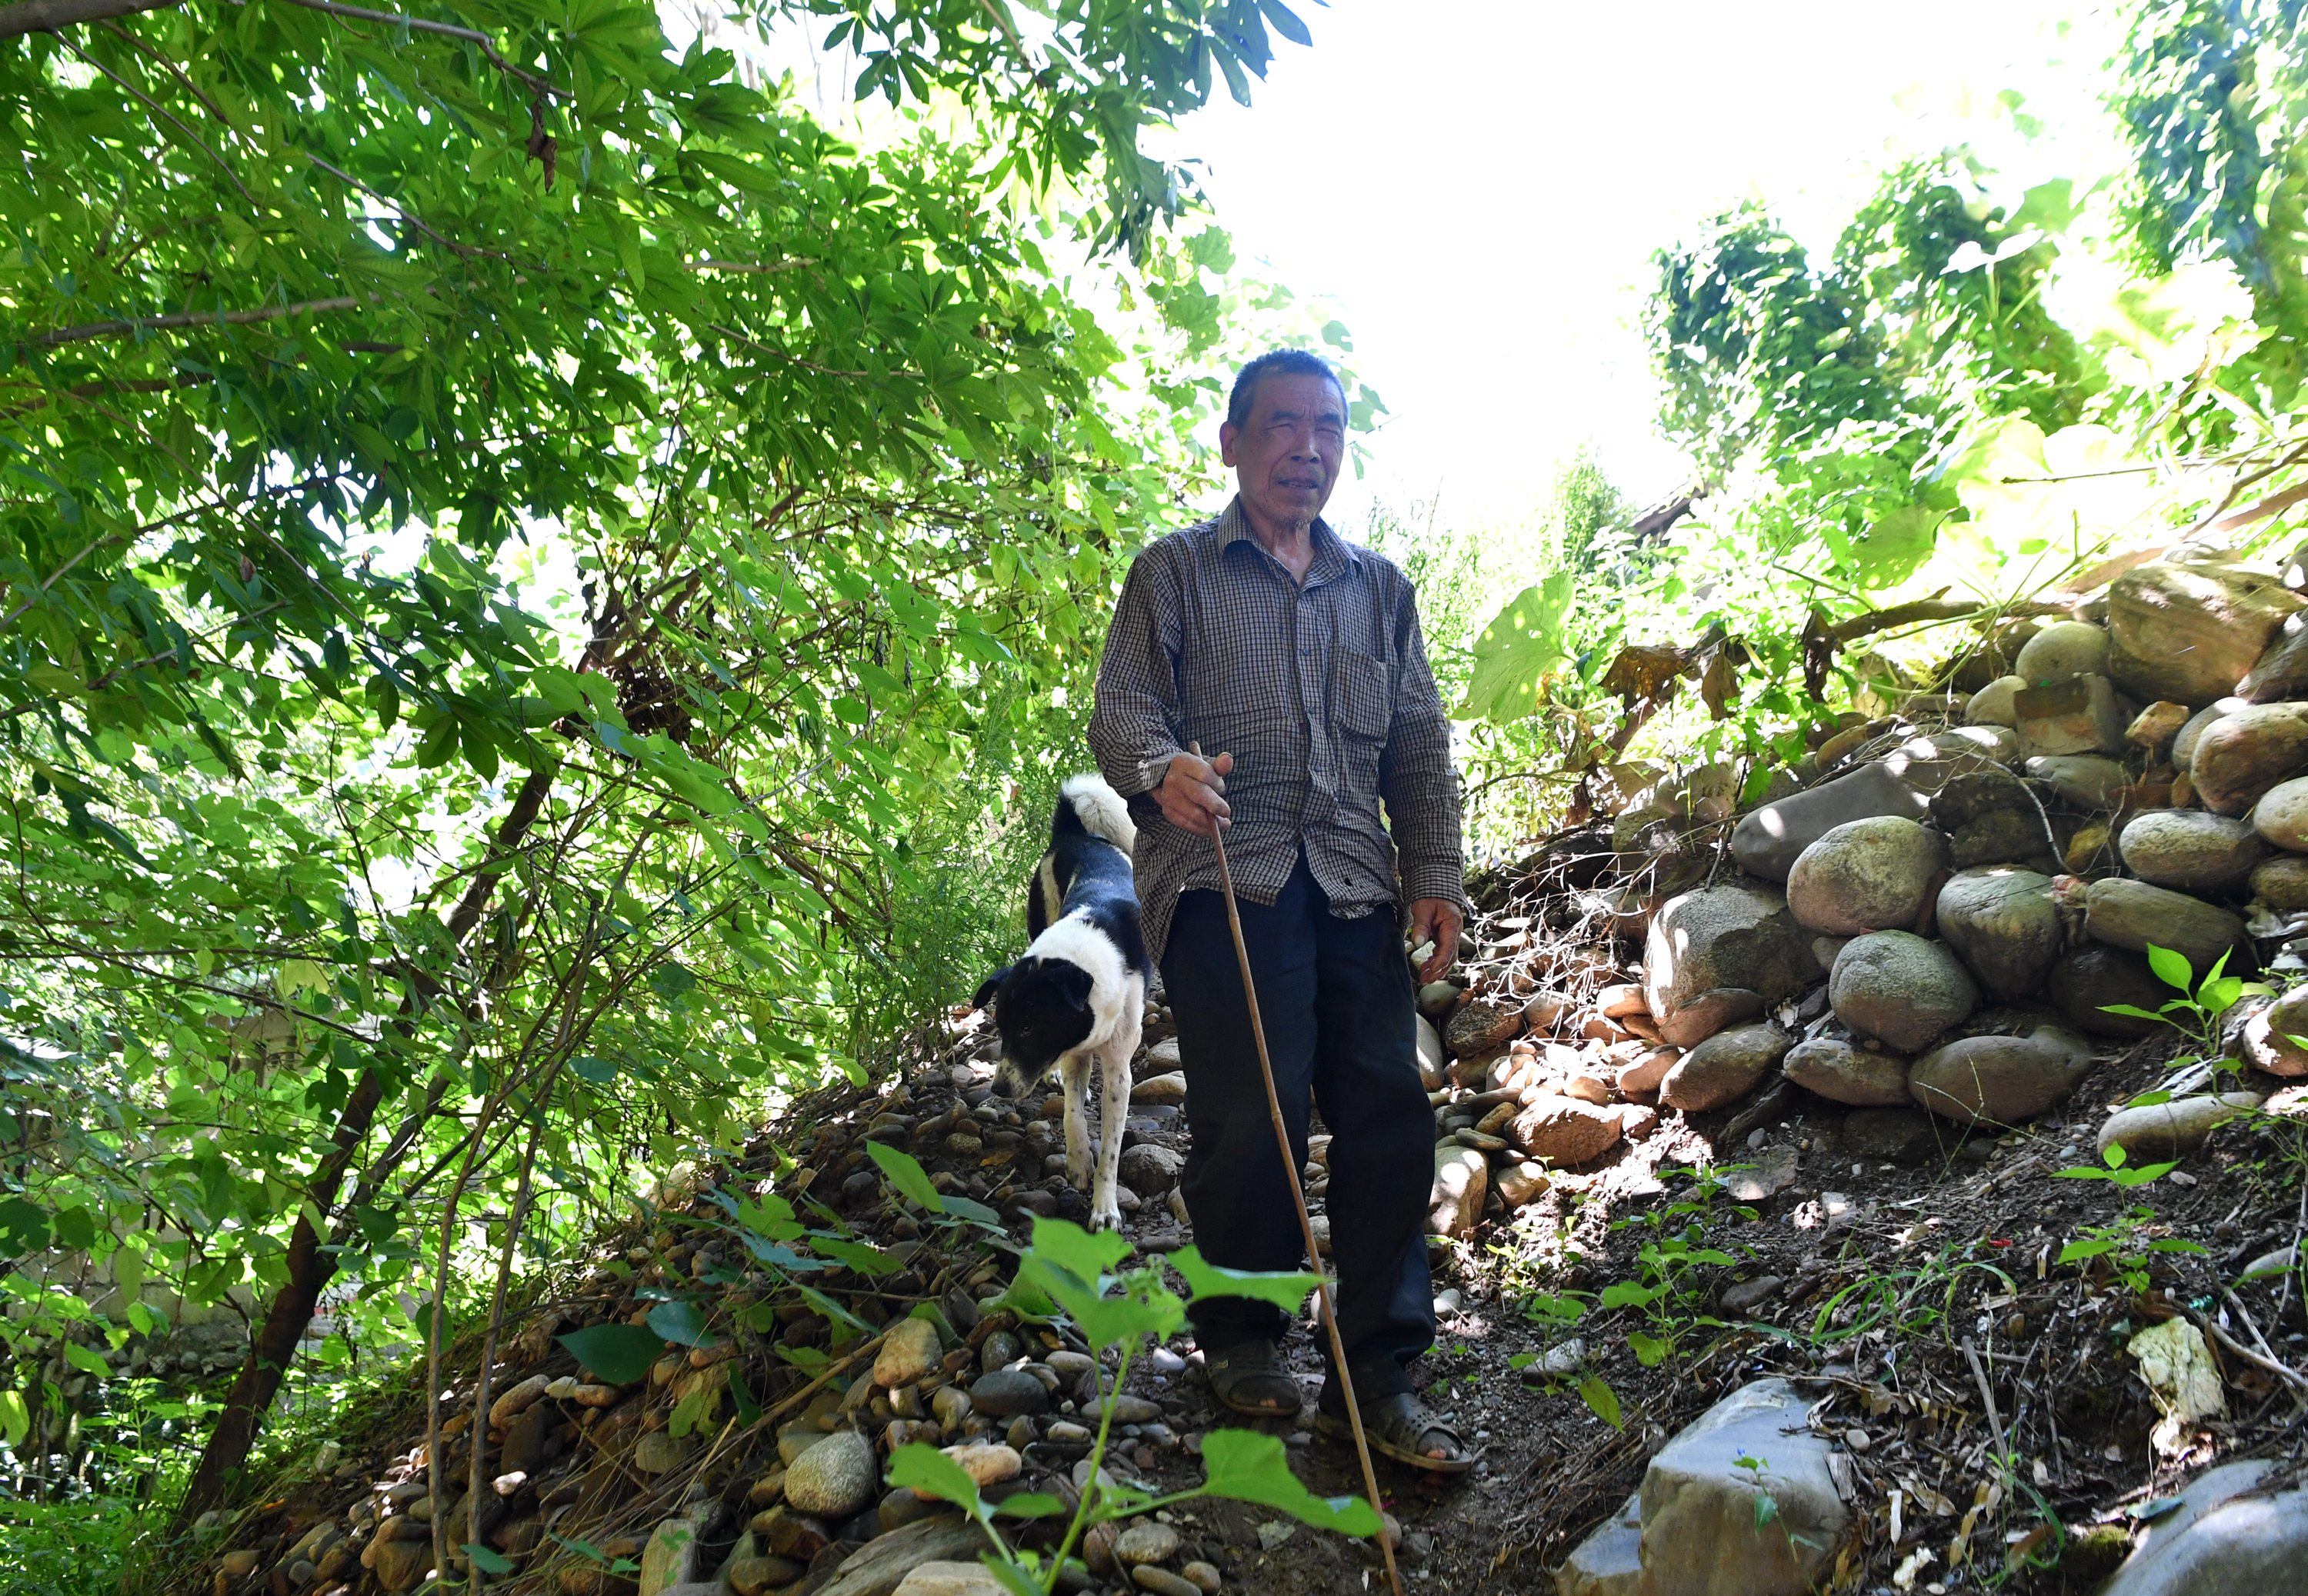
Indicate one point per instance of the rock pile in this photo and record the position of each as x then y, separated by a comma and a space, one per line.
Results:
1936, 909
682, 1488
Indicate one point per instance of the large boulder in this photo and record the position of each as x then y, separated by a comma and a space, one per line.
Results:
2061, 652
1899, 989
1990, 818
2166, 1131
2002, 1079
2239, 757
1992, 705
2268, 1034
1565, 1131
2133, 915
1731, 938
1707, 1530
2225, 1539
2004, 925
1874, 874
2088, 984
1767, 842
2087, 781
2281, 815
2183, 742
2080, 714
881, 1566
1610, 1561
1859, 1076
2189, 633
1462, 1179
2190, 850
1723, 1068
2282, 884
2281, 672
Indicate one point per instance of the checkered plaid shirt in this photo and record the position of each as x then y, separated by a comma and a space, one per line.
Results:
1320, 692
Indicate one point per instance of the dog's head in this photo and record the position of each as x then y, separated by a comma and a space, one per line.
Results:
1041, 1009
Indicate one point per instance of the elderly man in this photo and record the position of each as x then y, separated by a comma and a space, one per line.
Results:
1294, 660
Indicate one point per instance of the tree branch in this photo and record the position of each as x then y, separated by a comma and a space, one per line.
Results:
168, 117
446, 29
470, 251
136, 325
54, 16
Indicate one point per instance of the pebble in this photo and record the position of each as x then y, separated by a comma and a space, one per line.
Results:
656, 1452
1202, 1576
1162, 1360
1146, 1540
833, 1478
1163, 1583
999, 1349
986, 1462
910, 1350
1746, 1295
951, 1406
1066, 1432
1007, 1393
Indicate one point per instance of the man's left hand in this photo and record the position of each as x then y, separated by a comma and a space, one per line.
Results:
1437, 919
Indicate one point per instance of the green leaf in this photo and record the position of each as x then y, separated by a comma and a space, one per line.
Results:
87, 1360
2135, 1012
2171, 968
681, 1323
1249, 1466
904, 1172
1030, 1503
486, 1560
1084, 1254
1288, 1290
966, 1208
927, 1470
1596, 1392
15, 1417
854, 1255
1525, 644
23, 1226
1286, 21
741, 1398
1648, 1349
619, 1355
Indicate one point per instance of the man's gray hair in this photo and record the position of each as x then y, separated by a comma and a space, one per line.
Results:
1296, 363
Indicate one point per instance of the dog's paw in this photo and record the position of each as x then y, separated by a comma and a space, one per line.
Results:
1079, 1178
1105, 1219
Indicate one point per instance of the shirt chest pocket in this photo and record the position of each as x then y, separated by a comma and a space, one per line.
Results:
1362, 696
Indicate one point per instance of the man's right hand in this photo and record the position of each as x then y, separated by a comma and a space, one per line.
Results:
1190, 793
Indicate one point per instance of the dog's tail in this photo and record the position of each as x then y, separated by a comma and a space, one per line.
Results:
1087, 804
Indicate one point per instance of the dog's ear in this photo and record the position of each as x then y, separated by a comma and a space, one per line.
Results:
1069, 979
992, 984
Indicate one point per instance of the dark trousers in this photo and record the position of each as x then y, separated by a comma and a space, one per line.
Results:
1338, 1002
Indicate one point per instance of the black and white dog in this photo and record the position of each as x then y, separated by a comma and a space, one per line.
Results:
1079, 994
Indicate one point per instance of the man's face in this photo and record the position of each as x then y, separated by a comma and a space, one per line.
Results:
1286, 454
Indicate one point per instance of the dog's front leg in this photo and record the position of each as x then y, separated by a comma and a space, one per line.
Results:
1073, 1076
1113, 1109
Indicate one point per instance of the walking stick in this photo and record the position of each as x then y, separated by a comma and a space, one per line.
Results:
1298, 1198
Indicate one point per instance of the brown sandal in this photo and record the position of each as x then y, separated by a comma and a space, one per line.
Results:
1397, 1427
1249, 1378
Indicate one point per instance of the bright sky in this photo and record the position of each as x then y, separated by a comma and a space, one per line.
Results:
1476, 186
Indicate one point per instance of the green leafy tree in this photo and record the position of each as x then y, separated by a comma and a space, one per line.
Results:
518, 540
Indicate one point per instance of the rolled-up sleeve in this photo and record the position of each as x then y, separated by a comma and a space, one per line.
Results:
1134, 723
1418, 777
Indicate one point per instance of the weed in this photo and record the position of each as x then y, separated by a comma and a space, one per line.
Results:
2198, 1010
2123, 1249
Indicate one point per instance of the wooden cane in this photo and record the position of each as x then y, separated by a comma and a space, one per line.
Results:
1298, 1198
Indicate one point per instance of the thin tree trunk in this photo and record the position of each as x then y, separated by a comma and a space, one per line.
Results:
310, 1267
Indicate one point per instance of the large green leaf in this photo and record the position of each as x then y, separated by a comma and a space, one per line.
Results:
904, 1172
617, 1353
1526, 643
1251, 1466
1288, 1290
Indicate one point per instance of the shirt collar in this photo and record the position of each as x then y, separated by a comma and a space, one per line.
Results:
1333, 555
